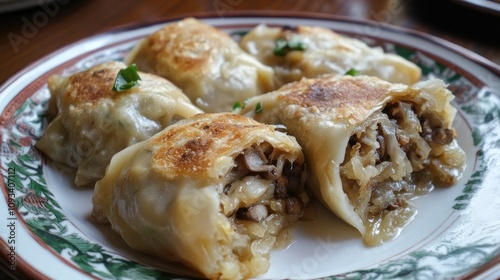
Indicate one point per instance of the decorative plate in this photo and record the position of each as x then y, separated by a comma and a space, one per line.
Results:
489, 6
47, 231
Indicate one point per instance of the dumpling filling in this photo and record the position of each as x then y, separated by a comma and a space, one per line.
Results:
400, 153
262, 196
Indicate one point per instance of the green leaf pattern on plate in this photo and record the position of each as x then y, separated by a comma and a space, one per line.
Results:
38, 207
420, 264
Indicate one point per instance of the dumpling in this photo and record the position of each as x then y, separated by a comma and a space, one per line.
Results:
216, 192
91, 122
370, 145
205, 63
313, 51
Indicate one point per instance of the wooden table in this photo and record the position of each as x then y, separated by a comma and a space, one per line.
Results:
30, 34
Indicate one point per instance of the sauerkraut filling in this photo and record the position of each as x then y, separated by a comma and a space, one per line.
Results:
400, 153
263, 195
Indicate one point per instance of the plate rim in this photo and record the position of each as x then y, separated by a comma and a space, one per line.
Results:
488, 6
472, 56
28, 270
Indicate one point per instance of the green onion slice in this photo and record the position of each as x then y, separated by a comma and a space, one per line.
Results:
280, 47
352, 72
126, 78
258, 107
236, 106
294, 44
245, 102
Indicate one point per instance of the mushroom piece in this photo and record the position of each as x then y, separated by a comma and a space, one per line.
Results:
442, 136
280, 187
280, 127
255, 163
293, 173
294, 205
380, 152
434, 132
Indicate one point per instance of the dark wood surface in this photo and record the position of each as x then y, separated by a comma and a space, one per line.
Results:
30, 34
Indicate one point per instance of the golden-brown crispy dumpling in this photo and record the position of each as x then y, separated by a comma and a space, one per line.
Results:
205, 63
316, 51
216, 192
370, 145
91, 122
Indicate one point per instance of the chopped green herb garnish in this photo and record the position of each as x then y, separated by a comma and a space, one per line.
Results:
294, 44
245, 102
126, 78
236, 106
280, 47
352, 72
258, 107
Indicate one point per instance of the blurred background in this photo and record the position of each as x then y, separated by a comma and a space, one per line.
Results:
30, 29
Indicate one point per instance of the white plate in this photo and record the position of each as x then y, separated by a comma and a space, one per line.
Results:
456, 232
